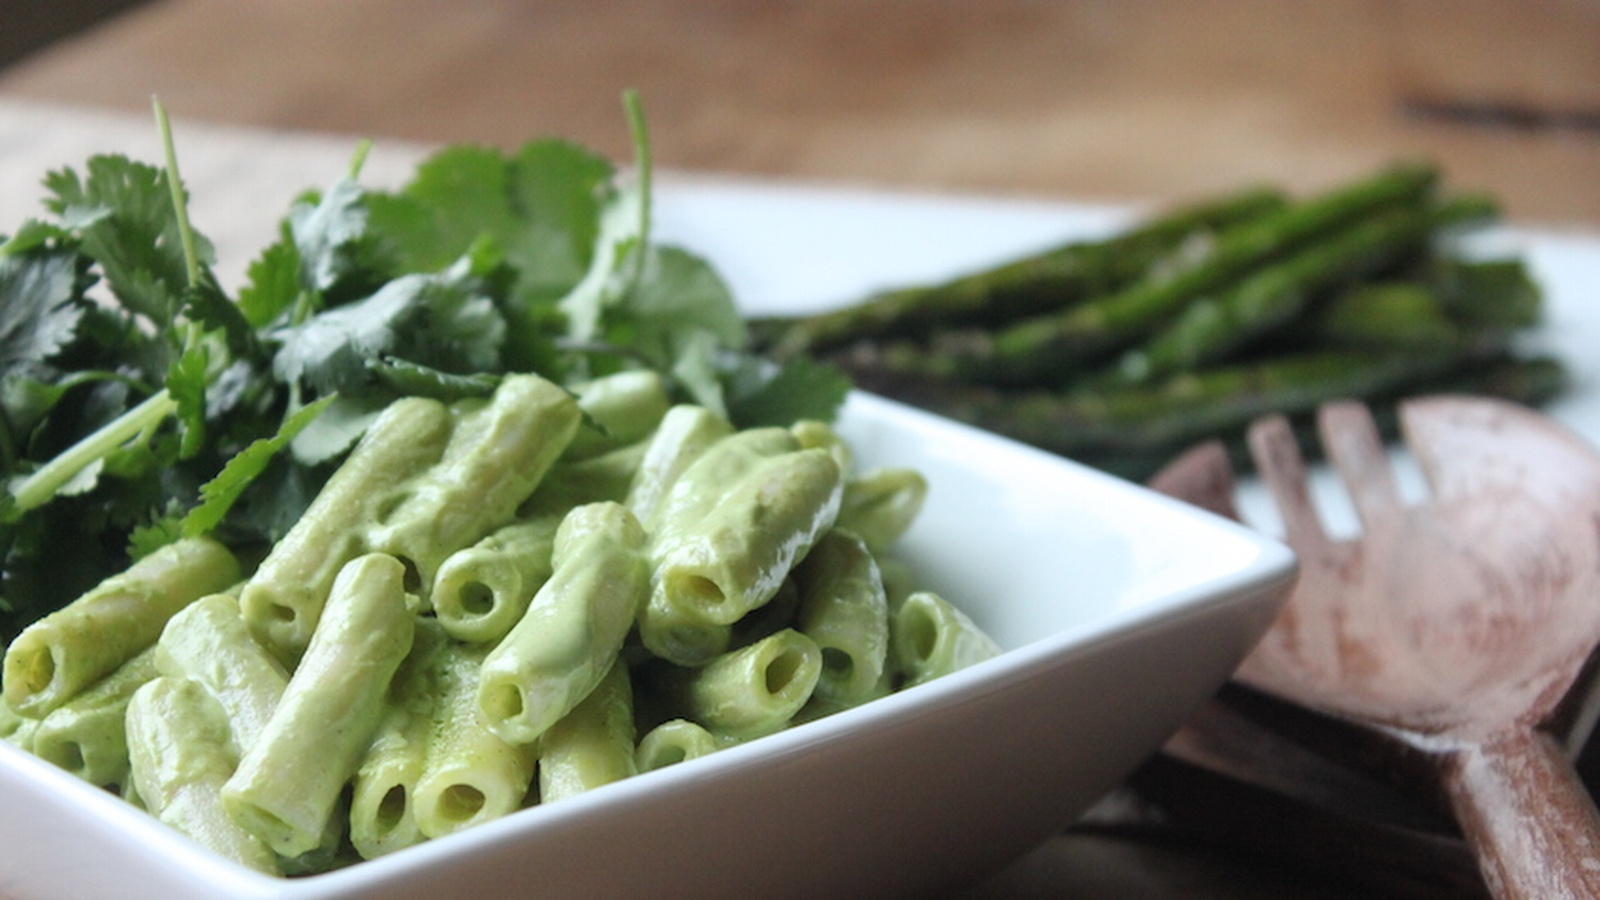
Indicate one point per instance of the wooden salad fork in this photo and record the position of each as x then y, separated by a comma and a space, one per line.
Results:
1453, 628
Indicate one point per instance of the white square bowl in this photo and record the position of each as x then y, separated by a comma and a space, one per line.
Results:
1120, 611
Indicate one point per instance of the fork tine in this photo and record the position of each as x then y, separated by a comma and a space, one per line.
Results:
1283, 471
1354, 447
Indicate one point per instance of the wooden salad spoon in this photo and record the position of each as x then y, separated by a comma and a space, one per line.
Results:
1452, 627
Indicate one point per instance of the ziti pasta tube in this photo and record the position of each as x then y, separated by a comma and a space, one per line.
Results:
180, 756
499, 451
89, 638
289, 782
284, 598
574, 627
593, 745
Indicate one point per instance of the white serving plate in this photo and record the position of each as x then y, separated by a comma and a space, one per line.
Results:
1121, 611
787, 248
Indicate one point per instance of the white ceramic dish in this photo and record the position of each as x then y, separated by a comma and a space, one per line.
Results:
1121, 612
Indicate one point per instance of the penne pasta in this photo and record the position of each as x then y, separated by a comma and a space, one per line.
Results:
289, 782
74, 647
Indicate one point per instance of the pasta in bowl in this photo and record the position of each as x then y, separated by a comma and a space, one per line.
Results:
1057, 625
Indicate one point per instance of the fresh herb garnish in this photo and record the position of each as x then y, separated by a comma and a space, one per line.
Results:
140, 401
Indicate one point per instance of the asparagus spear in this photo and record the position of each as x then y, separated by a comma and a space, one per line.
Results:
1132, 431
1044, 347
1392, 315
1178, 410
1049, 280
1491, 292
1529, 381
1211, 327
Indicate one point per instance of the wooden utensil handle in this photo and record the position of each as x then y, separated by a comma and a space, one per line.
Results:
1534, 828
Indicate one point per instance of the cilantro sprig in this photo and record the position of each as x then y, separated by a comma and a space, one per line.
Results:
141, 401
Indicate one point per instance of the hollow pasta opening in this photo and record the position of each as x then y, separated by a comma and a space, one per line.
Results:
838, 664
460, 802
391, 809
696, 591
503, 701
411, 581
475, 599
781, 671
920, 631
33, 667
66, 754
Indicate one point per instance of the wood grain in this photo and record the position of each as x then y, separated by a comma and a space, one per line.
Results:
1091, 100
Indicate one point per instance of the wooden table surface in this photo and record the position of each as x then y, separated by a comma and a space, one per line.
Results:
1095, 99
1099, 100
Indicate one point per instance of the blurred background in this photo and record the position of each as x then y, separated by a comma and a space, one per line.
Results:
1094, 100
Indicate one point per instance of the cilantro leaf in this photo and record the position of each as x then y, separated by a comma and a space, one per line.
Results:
456, 195
39, 305
206, 305
123, 212
158, 410
802, 388
186, 385
437, 320
555, 187
272, 284
32, 235
679, 319
152, 536
336, 430
611, 270
406, 378
678, 293
327, 233
218, 495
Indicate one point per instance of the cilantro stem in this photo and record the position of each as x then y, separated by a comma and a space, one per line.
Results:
180, 205
633, 108
359, 159
38, 488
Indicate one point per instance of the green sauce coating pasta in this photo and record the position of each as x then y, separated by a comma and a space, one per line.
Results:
15, 729
932, 638
672, 742
707, 477
755, 690
68, 650
209, 642
844, 610
571, 483
499, 451
881, 505
87, 735
470, 774
593, 745
181, 755
382, 818
481, 592
574, 627
284, 598
621, 409
470, 606
732, 560
288, 783
685, 434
